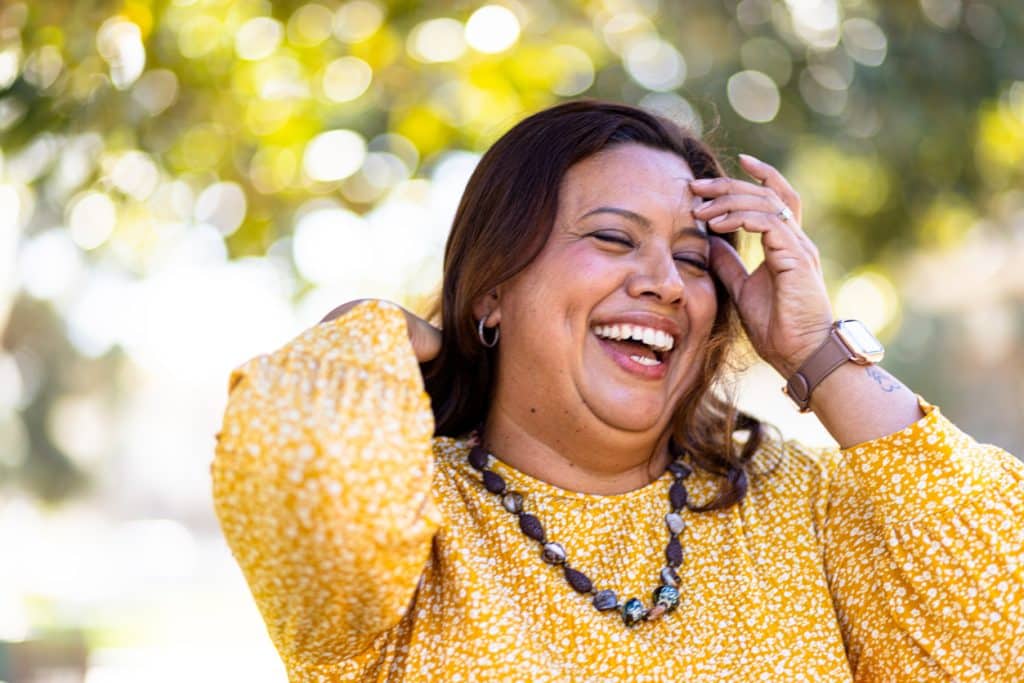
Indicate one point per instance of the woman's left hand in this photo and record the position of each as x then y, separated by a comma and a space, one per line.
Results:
783, 303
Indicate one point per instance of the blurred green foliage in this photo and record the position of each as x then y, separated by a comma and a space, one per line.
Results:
901, 122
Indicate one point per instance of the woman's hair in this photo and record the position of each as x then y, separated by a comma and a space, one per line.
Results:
502, 223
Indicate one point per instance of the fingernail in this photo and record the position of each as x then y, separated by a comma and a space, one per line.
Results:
752, 158
702, 182
718, 219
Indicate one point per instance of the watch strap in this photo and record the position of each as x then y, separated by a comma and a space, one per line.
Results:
830, 355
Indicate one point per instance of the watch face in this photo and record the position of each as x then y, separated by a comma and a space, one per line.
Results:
860, 340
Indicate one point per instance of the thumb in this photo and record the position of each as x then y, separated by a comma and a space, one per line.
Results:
728, 266
425, 338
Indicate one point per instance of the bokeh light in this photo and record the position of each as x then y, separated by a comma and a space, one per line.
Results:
869, 297
436, 40
222, 205
655, 64
864, 41
91, 219
119, 42
10, 65
310, 25
816, 22
156, 90
135, 174
577, 71
329, 246
334, 155
346, 78
753, 95
357, 20
492, 29
943, 13
50, 264
258, 38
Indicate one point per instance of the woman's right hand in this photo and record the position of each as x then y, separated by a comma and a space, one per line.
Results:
425, 338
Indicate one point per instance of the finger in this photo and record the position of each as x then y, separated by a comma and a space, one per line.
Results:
716, 187
783, 247
738, 202
772, 179
751, 221
734, 204
728, 266
425, 338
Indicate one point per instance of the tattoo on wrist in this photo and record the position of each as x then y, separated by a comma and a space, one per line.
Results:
886, 381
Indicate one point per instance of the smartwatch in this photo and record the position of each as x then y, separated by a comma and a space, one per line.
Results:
848, 340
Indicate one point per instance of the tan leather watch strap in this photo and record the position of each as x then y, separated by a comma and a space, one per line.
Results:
829, 356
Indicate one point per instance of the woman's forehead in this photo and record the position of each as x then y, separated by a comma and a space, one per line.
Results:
630, 173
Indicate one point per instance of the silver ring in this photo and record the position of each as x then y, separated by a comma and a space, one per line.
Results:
785, 214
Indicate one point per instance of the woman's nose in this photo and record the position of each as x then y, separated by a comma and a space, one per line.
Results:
658, 276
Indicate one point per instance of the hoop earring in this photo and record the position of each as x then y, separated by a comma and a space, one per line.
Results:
480, 333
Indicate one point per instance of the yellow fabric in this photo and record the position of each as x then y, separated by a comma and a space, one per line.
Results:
374, 552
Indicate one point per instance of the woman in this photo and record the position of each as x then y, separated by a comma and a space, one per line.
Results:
574, 499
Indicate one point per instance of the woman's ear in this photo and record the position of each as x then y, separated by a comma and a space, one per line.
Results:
487, 305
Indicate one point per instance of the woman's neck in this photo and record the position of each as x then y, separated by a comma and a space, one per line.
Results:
573, 459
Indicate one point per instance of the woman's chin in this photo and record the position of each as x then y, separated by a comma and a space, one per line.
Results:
633, 413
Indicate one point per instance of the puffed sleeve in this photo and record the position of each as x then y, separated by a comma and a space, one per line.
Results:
924, 550
322, 483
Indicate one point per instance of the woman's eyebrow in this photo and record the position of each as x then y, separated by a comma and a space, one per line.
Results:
625, 213
643, 221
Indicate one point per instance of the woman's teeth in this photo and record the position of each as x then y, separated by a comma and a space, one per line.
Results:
643, 360
656, 339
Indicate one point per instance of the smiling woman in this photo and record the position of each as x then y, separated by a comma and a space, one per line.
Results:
550, 487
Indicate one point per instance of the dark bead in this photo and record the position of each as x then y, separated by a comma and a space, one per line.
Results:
677, 495
478, 458
493, 482
605, 600
633, 612
553, 553
674, 552
669, 577
668, 596
579, 581
513, 502
679, 470
675, 523
532, 527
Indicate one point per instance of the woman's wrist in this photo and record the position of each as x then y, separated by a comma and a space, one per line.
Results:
859, 403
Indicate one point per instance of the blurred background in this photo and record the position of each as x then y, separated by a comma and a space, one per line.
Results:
187, 183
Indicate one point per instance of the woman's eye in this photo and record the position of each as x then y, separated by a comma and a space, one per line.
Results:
605, 237
696, 261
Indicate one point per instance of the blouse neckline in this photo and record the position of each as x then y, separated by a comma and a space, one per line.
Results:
527, 484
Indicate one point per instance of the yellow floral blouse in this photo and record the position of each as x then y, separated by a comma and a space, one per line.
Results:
374, 552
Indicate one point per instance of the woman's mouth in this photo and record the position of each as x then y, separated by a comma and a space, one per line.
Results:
638, 349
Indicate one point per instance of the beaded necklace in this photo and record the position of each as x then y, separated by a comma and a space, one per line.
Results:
666, 595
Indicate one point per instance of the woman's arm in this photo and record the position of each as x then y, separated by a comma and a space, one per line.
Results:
322, 483
923, 526
784, 306
858, 403
924, 553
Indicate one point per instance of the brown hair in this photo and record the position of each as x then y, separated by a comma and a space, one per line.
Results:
502, 223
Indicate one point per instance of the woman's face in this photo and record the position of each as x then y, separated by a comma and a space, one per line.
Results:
624, 250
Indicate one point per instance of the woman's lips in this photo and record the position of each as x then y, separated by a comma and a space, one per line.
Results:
623, 360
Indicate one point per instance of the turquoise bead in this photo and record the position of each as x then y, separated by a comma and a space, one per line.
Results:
668, 596
633, 612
